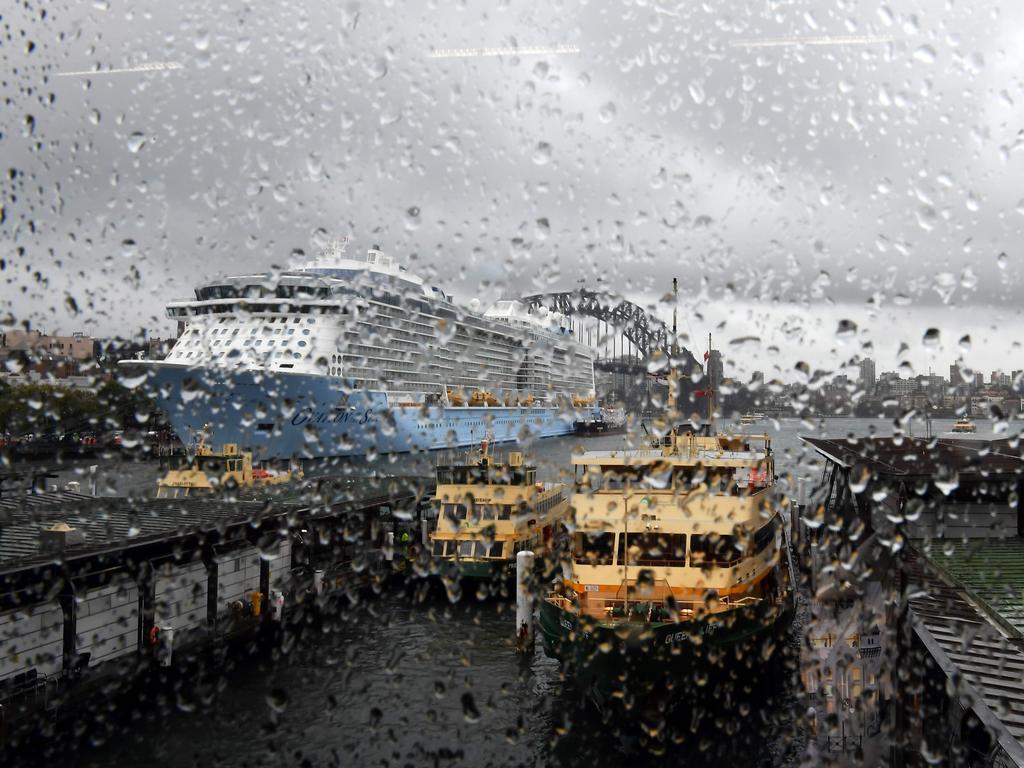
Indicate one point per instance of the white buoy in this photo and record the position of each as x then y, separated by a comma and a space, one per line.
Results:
277, 605
165, 646
524, 602
318, 581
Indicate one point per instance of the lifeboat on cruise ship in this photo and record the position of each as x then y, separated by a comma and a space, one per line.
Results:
580, 402
456, 398
527, 401
483, 398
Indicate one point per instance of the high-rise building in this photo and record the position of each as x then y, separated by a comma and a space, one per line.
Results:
867, 374
979, 380
716, 369
956, 379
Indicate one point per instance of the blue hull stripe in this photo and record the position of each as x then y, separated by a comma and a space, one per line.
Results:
285, 415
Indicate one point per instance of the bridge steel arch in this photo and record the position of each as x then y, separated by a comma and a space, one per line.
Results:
647, 333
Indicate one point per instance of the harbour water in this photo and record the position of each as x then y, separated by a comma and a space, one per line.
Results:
400, 679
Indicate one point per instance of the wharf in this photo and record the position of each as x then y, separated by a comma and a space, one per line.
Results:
84, 580
918, 547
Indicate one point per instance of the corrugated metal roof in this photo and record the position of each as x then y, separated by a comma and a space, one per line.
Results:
110, 521
962, 637
908, 456
991, 569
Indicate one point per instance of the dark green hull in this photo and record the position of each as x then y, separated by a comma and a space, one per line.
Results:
645, 664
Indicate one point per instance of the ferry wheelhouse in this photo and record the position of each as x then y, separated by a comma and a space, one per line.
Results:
490, 510
964, 425
679, 558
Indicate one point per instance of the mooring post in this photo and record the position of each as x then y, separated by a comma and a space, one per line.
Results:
524, 602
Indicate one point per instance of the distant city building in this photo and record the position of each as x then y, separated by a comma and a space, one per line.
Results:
979, 380
78, 346
716, 368
867, 374
956, 379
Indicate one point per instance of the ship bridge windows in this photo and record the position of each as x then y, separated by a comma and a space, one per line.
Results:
652, 548
715, 549
765, 535
594, 548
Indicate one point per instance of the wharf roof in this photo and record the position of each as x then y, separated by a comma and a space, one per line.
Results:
119, 523
970, 648
920, 457
991, 572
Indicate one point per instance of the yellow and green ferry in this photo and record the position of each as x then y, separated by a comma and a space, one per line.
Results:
679, 568
490, 510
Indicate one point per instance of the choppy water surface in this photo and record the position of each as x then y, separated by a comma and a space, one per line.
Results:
401, 680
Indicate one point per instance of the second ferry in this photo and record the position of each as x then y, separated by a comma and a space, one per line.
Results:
489, 510
353, 353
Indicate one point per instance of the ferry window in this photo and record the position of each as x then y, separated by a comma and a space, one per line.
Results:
714, 550
765, 535
496, 549
594, 548
438, 548
505, 512
664, 549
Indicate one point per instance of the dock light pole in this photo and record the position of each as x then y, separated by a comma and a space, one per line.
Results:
524, 602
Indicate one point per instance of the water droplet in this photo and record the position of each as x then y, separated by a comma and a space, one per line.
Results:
469, 710
129, 249
412, 218
542, 153
846, 330
607, 113
697, 91
314, 165
202, 40
964, 343
136, 141
94, 116
1002, 260
931, 337
925, 54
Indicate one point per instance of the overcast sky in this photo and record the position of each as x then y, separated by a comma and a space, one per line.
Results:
787, 187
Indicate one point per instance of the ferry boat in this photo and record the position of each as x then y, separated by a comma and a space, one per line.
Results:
748, 418
680, 567
207, 471
353, 353
964, 425
490, 510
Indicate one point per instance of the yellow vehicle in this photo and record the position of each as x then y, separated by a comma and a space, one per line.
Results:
208, 470
489, 510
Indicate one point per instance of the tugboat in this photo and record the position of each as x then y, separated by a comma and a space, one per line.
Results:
488, 511
207, 471
608, 421
964, 425
680, 571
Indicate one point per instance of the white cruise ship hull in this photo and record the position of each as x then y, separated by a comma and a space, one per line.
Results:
297, 415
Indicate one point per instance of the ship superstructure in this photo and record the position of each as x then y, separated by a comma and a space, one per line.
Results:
352, 353
491, 509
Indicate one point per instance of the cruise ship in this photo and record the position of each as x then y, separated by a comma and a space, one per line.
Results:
352, 354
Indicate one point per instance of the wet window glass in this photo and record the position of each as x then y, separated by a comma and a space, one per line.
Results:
464, 383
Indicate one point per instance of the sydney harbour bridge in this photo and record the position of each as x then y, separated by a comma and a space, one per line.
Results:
624, 336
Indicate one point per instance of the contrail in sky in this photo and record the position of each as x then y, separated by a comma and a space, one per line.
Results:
792, 42
156, 66
525, 50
